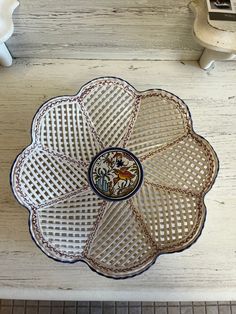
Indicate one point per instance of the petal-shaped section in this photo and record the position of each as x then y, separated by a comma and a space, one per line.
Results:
112, 105
121, 245
62, 229
174, 218
162, 119
61, 126
42, 178
189, 164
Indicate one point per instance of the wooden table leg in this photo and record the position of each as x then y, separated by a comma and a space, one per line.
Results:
209, 57
5, 56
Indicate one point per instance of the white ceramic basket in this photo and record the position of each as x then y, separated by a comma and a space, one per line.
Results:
72, 221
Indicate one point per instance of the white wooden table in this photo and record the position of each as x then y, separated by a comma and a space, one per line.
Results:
206, 271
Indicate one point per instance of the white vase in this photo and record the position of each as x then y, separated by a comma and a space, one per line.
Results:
7, 8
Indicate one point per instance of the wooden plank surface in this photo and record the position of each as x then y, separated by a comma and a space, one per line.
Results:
104, 29
207, 270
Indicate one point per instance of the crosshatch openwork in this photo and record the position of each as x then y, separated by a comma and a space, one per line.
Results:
70, 221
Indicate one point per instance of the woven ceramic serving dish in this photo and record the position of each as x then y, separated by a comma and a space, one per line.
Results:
114, 177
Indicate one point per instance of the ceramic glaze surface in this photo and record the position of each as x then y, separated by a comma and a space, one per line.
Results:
81, 177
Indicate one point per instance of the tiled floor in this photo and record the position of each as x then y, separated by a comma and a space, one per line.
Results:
71, 307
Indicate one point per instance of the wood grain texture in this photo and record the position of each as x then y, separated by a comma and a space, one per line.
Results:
104, 29
206, 271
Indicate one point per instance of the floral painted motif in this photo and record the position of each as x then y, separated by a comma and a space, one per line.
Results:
115, 174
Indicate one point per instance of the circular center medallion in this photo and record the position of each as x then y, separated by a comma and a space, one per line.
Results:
115, 174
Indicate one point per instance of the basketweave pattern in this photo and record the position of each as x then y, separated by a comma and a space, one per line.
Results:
171, 122
117, 239
65, 129
170, 214
110, 106
186, 164
123, 243
67, 225
45, 177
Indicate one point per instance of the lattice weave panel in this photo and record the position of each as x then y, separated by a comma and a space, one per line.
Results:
67, 225
114, 177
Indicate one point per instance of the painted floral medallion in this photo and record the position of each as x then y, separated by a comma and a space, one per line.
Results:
115, 174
